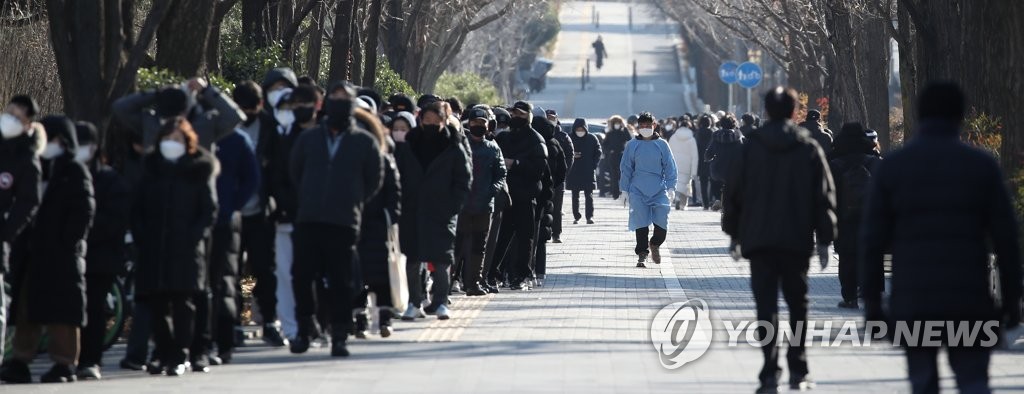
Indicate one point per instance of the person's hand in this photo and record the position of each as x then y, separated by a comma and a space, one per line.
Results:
509, 162
734, 250
823, 255
197, 84
671, 195
625, 200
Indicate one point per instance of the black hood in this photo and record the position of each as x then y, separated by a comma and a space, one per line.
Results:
280, 74
780, 136
580, 122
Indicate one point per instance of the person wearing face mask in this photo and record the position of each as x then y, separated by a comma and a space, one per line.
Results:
583, 175
475, 220
554, 174
649, 179
302, 104
501, 121
336, 168
435, 186
526, 155
21, 141
48, 284
174, 210
400, 126
257, 229
212, 113
105, 256
614, 144
565, 142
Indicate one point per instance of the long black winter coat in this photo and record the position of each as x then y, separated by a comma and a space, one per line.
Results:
565, 143
529, 151
20, 174
432, 197
941, 207
780, 196
175, 207
849, 222
374, 244
55, 269
703, 136
725, 148
583, 174
106, 254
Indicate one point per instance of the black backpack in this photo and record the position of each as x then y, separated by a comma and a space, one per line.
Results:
853, 188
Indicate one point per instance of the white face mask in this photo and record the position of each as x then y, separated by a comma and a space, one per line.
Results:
285, 117
646, 133
172, 150
10, 126
669, 127
52, 150
399, 136
581, 133
618, 127
275, 97
84, 153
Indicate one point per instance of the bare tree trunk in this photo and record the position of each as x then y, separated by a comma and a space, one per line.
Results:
254, 23
340, 70
357, 40
182, 38
213, 42
372, 42
314, 51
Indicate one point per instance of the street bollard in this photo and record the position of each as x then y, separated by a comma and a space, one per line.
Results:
630, 18
597, 21
583, 79
588, 70
634, 76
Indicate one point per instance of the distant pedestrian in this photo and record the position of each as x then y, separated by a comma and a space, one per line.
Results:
649, 179
704, 135
599, 52
583, 174
618, 135
820, 133
684, 150
724, 151
779, 202
941, 237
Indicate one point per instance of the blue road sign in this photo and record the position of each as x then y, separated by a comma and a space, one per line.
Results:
749, 75
727, 72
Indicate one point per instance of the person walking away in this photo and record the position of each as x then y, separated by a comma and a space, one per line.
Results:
749, 125
488, 166
704, 137
942, 273
820, 133
379, 214
565, 143
853, 165
526, 160
439, 185
210, 111
779, 202
684, 150
649, 177
106, 253
258, 231
619, 134
724, 151
21, 141
174, 210
583, 175
336, 169
599, 52
237, 185
49, 282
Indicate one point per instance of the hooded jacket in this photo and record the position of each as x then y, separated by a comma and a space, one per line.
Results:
723, 151
20, 174
684, 150
210, 124
821, 135
583, 175
780, 197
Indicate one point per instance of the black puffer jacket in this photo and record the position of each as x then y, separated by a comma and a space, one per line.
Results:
175, 207
940, 236
383, 209
20, 174
725, 148
780, 196
703, 136
113, 211
527, 148
583, 174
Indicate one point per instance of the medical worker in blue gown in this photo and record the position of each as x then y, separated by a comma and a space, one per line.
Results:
648, 181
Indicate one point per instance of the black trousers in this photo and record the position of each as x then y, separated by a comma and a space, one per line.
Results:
588, 195
470, 246
848, 277
174, 318
716, 190
490, 254
257, 248
556, 215
767, 271
969, 364
330, 251
705, 190
97, 286
615, 172
516, 240
643, 244
224, 284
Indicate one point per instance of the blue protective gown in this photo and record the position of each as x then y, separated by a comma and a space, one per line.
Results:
648, 173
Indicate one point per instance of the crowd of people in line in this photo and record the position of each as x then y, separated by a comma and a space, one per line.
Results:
318, 192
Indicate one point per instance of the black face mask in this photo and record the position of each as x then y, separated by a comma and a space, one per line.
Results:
518, 123
303, 114
478, 131
339, 113
432, 128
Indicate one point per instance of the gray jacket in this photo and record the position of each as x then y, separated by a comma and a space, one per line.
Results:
217, 118
334, 190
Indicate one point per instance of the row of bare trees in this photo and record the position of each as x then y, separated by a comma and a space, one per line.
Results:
841, 50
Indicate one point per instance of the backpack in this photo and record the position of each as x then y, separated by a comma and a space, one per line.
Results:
853, 189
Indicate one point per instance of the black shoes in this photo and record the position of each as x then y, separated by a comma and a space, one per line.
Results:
590, 221
15, 371
655, 253
577, 221
360, 329
803, 383
272, 336
177, 370
490, 288
557, 240
768, 388
132, 366
89, 372
59, 373
641, 259
299, 344
338, 349
200, 363
225, 357
476, 292
385, 323
845, 304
